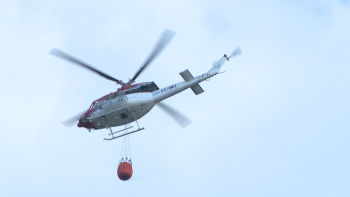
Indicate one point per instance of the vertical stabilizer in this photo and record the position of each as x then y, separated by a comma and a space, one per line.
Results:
217, 65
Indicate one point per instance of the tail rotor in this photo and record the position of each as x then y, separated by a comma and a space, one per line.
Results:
236, 52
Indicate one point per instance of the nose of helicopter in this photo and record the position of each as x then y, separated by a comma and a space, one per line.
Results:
79, 123
86, 124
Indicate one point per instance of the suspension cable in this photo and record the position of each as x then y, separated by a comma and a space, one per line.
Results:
125, 153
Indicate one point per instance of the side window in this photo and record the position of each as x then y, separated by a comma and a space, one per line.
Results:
110, 97
144, 88
155, 88
121, 98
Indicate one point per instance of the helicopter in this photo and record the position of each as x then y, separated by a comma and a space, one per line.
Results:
133, 101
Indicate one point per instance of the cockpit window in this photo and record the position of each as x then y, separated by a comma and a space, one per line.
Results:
155, 87
144, 87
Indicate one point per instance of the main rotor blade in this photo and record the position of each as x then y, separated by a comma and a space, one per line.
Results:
181, 119
163, 41
69, 58
73, 120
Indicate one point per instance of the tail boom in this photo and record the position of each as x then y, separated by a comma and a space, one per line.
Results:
190, 82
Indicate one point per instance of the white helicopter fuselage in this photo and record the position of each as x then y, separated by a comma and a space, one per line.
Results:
123, 108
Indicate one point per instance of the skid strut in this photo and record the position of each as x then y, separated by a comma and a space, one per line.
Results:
115, 137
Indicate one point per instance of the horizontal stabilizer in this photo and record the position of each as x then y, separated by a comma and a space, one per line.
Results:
197, 89
186, 75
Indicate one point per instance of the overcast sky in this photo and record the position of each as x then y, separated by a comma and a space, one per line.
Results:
276, 123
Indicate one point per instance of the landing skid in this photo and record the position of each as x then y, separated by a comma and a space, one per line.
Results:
123, 134
120, 130
115, 137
